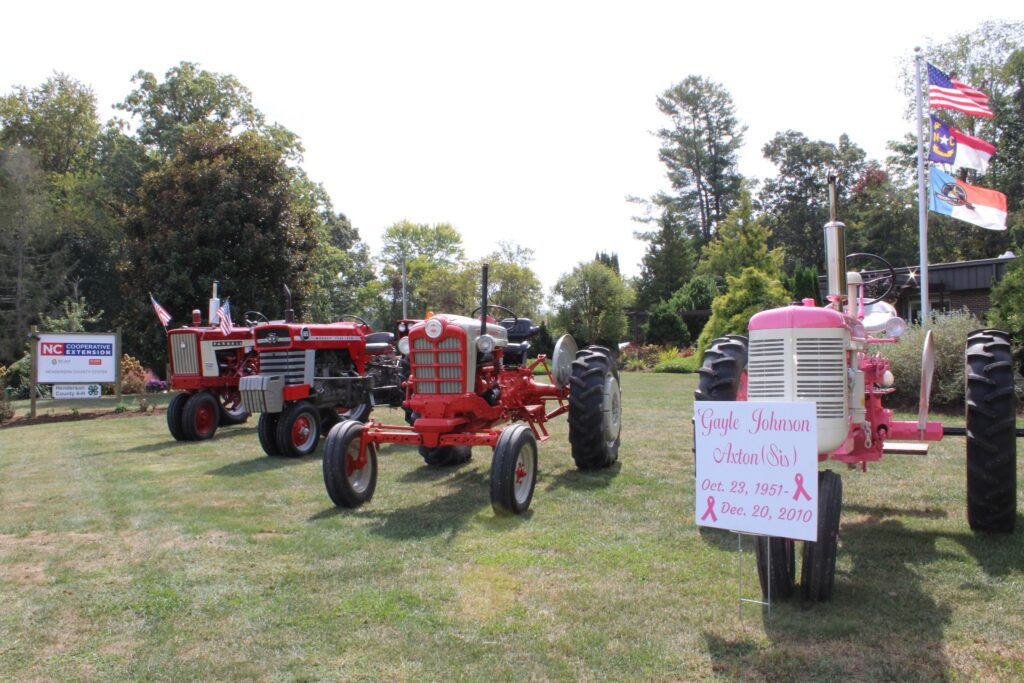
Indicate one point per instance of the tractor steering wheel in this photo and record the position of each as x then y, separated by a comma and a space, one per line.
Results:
356, 318
252, 318
885, 282
515, 318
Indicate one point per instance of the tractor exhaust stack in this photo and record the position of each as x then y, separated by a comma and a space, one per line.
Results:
835, 249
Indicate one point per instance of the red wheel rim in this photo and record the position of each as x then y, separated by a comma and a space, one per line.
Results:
302, 431
205, 418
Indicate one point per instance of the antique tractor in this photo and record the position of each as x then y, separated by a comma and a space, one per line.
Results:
205, 366
807, 353
468, 375
313, 375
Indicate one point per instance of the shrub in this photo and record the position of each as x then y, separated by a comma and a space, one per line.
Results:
665, 326
156, 386
133, 376
17, 377
751, 292
637, 358
681, 364
949, 334
6, 407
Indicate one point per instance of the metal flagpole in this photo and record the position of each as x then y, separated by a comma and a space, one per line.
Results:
922, 196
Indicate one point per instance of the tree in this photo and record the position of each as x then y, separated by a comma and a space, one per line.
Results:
227, 208
751, 292
667, 264
881, 218
665, 327
591, 304
1007, 312
740, 242
191, 96
513, 284
433, 258
700, 152
796, 202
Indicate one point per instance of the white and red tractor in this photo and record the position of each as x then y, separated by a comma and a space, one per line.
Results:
313, 375
205, 366
471, 384
828, 355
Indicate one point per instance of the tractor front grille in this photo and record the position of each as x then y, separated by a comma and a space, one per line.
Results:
289, 364
438, 367
820, 365
184, 354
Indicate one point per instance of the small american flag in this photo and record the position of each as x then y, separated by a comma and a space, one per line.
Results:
161, 312
945, 93
224, 313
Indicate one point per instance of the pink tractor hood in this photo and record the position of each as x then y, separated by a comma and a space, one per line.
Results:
796, 317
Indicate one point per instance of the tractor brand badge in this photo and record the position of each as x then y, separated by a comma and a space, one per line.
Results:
272, 338
304, 333
955, 195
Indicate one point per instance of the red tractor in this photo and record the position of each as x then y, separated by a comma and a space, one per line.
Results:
467, 375
312, 375
206, 365
806, 353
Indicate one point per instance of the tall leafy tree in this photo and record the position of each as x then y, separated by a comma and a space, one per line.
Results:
796, 202
668, 263
512, 283
750, 292
591, 304
741, 242
434, 277
699, 150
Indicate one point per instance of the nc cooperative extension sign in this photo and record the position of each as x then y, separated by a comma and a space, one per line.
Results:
70, 358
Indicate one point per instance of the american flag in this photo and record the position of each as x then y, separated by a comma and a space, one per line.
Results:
945, 93
224, 313
161, 312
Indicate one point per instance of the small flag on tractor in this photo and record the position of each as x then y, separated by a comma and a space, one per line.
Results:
161, 312
945, 93
224, 313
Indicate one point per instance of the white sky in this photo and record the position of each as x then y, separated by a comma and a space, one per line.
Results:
526, 121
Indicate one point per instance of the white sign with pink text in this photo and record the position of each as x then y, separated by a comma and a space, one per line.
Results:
757, 467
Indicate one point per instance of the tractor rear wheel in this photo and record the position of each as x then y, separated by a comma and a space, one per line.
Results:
350, 482
232, 410
819, 558
201, 416
595, 409
514, 470
267, 430
175, 412
446, 456
779, 554
298, 430
991, 432
722, 372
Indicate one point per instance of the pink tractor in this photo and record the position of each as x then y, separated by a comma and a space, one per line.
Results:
827, 355
468, 376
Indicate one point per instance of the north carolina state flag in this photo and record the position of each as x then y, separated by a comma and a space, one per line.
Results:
955, 147
952, 197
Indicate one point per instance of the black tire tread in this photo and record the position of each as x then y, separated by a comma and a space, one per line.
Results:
336, 482
590, 370
175, 410
722, 370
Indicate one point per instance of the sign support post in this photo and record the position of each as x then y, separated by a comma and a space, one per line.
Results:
33, 364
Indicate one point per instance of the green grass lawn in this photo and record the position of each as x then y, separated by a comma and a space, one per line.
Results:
127, 555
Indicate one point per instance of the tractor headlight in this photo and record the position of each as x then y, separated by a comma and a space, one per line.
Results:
887, 379
402, 328
485, 343
403, 346
894, 327
433, 328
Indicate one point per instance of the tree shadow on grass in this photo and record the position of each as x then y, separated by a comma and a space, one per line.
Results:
261, 463
221, 435
876, 511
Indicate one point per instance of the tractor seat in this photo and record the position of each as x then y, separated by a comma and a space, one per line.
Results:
380, 338
519, 330
378, 348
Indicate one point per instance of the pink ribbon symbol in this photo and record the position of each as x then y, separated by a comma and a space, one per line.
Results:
799, 479
710, 510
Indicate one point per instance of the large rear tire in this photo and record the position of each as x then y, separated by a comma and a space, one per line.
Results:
514, 470
266, 428
723, 371
595, 409
349, 481
819, 558
782, 566
298, 430
175, 413
446, 456
232, 410
201, 416
991, 432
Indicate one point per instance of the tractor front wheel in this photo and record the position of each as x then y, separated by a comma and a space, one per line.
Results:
775, 561
175, 413
298, 430
446, 456
595, 409
350, 479
201, 416
991, 432
722, 372
232, 410
514, 470
267, 430
819, 558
